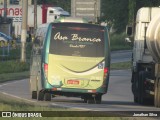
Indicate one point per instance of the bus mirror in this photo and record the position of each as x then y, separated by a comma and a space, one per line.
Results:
129, 30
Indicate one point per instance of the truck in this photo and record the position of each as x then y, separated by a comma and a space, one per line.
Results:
146, 56
45, 14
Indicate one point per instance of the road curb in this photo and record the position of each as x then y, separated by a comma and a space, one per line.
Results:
7, 98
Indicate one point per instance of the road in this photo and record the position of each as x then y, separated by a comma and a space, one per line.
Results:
118, 98
121, 56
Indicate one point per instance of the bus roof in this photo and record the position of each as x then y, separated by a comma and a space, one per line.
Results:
71, 19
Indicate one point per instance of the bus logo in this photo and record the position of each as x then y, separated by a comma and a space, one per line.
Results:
100, 66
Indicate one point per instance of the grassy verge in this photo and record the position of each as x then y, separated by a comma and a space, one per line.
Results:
11, 105
13, 70
13, 66
121, 65
14, 76
118, 42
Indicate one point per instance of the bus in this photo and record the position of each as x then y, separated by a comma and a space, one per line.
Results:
70, 59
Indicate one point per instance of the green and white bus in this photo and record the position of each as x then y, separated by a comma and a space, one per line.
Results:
70, 59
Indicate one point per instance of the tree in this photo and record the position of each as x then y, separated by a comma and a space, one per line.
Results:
135, 5
131, 11
123, 12
65, 4
116, 13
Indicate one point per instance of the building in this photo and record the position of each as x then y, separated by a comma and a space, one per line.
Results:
15, 2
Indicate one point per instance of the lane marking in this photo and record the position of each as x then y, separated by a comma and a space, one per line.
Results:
13, 82
65, 106
4, 84
18, 97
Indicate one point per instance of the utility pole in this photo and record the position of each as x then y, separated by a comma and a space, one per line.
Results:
95, 10
35, 17
24, 29
5, 10
73, 8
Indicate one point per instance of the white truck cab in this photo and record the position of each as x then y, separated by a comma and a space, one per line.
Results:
140, 51
54, 13
144, 79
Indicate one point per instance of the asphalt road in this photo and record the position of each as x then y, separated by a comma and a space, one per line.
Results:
118, 98
121, 56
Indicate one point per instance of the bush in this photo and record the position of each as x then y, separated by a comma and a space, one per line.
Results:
13, 67
15, 53
118, 42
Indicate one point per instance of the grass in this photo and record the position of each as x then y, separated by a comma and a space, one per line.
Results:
11, 105
13, 66
13, 70
118, 42
13, 76
121, 65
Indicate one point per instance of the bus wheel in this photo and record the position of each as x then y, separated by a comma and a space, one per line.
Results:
47, 97
98, 99
85, 100
40, 96
135, 99
90, 100
34, 94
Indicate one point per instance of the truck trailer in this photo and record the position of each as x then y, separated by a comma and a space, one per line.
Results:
45, 14
146, 56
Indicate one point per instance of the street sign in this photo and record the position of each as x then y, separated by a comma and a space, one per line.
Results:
89, 9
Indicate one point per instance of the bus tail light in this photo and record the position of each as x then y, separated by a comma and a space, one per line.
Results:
46, 69
105, 72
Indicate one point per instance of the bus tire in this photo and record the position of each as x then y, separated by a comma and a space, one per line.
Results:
34, 94
90, 100
40, 96
47, 97
85, 100
135, 99
98, 99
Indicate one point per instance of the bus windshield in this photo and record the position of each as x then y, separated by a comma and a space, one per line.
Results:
80, 41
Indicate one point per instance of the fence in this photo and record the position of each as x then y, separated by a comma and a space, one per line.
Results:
12, 50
